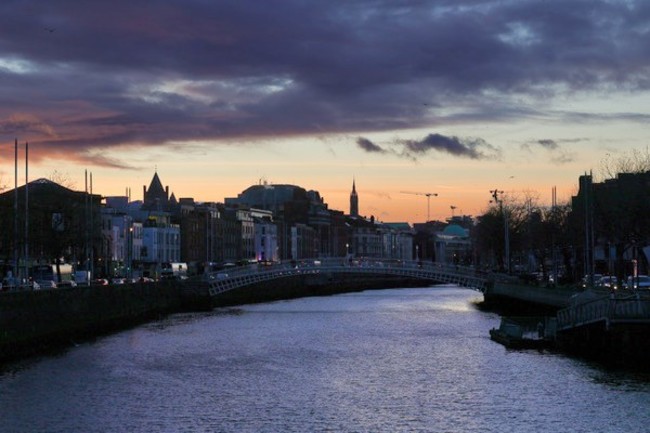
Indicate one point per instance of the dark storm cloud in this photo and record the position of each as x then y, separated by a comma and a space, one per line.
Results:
148, 73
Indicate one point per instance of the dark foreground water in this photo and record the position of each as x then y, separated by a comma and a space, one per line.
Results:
409, 360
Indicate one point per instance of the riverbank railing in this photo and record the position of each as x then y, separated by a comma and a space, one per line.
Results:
613, 308
233, 278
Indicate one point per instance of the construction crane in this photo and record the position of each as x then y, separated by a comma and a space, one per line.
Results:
428, 195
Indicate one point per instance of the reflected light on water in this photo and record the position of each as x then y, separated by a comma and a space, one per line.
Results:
403, 360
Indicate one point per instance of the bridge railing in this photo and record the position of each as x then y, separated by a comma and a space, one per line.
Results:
341, 263
232, 278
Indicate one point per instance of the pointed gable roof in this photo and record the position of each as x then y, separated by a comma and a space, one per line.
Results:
155, 188
156, 197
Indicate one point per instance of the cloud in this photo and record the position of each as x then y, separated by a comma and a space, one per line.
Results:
548, 144
563, 157
369, 146
473, 148
21, 124
557, 153
121, 73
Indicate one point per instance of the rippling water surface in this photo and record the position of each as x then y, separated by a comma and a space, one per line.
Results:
406, 360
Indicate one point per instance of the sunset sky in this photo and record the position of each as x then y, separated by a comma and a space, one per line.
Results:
454, 97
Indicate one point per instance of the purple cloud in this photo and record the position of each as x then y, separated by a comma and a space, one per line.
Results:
473, 148
369, 146
126, 73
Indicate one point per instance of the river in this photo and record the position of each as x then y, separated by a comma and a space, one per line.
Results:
402, 360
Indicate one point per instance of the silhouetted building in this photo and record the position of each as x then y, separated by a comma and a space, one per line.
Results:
453, 245
62, 224
157, 198
366, 237
291, 206
610, 222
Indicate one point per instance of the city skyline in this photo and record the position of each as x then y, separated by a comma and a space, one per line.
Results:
455, 98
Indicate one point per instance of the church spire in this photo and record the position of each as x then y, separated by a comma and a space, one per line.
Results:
354, 200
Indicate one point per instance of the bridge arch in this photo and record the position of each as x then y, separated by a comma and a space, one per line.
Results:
235, 278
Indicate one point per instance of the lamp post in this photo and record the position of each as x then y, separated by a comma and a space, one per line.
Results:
506, 237
129, 270
347, 250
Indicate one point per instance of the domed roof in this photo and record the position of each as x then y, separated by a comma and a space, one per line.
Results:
455, 230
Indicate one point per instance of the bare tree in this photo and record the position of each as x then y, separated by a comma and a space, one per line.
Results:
635, 161
62, 179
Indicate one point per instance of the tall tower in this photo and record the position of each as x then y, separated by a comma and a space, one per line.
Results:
354, 200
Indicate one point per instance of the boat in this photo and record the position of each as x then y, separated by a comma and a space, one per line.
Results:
517, 333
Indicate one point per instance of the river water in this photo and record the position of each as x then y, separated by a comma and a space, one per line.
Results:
404, 360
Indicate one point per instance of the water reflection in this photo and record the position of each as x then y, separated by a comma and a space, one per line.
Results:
417, 360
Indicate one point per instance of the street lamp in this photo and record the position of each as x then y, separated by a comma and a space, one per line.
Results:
506, 237
347, 249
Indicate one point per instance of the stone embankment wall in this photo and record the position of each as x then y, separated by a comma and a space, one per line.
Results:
35, 321
516, 296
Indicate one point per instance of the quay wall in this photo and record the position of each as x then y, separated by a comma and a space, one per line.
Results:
516, 296
35, 322
32, 322
616, 345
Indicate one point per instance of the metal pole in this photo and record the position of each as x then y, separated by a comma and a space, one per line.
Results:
92, 250
207, 236
15, 267
26, 210
86, 222
506, 237
428, 207
589, 272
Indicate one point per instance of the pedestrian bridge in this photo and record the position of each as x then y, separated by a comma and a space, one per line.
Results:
237, 277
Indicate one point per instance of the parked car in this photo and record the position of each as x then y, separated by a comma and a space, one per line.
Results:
609, 282
585, 280
46, 284
99, 282
66, 284
10, 283
638, 282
